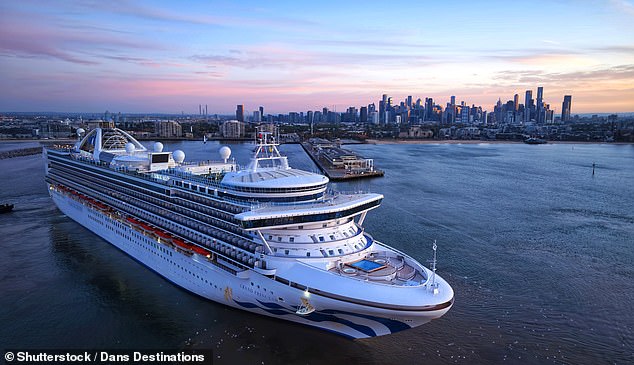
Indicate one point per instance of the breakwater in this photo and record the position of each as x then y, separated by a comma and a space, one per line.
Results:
20, 152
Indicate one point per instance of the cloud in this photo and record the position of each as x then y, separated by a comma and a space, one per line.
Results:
623, 6
33, 36
203, 17
613, 73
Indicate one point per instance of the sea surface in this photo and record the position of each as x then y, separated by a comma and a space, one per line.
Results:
539, 251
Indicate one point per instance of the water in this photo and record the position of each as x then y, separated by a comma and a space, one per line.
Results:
539, 252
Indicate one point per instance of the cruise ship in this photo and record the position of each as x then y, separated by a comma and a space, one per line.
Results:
265, 238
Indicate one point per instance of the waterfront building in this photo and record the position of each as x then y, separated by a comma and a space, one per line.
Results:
169, 129
232, 129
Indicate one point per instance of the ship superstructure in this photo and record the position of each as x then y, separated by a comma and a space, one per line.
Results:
267, 238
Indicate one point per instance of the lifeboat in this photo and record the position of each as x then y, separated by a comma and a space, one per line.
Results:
201, 251
132, 220
162, 234
146, 226
182, 244
101, 205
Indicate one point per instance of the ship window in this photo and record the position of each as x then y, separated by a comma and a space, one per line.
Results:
324, 225
285, 252
321, 238
279, 239
300, 227
307, 254
331, 252
270, 237
291, 239
332, 237
340, 251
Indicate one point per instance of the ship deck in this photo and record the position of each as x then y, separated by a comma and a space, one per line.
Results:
380, 267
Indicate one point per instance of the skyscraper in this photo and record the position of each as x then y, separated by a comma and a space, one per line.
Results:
363, 116
240, 113
429, 107
262, 112
540, 105
565, 108
528, 105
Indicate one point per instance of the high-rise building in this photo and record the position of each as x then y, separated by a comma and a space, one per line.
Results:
363, 114
429, 107
516, 102
540, 105
409, 101
169, 129
310, 117
262, 111
232, 129
374, 117
382, 109
565, 108
528, 105
240, 113
257, 118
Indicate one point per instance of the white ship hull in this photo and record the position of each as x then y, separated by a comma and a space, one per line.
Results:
249, 290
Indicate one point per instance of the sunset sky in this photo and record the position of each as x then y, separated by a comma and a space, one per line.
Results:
171, 56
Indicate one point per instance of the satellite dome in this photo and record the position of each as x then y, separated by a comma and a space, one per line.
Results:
224, 152
179, 156
158, 147
130, 147
80, 131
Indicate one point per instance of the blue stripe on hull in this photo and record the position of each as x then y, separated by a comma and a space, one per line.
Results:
330, 315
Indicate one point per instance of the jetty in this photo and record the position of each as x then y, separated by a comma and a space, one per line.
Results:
20, 152
338, 163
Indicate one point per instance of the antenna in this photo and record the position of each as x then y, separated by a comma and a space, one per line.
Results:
433, 269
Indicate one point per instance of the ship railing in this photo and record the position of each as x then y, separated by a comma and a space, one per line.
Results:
334, 192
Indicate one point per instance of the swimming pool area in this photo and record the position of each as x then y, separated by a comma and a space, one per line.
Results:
367, 265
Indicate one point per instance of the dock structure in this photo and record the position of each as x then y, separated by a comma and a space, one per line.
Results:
338, 163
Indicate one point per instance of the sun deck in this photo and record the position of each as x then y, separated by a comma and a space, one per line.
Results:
384, 268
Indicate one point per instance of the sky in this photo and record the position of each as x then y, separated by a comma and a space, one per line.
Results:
172, 56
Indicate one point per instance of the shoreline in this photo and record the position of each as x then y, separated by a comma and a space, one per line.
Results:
367, 141
476, 141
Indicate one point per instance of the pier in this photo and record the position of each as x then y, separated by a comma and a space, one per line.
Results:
338, 163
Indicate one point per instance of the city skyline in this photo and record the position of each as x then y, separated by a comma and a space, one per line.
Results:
164, 57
